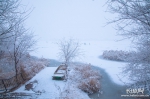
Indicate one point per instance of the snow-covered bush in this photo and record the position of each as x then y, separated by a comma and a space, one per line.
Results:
88, 79
32, 67
6, 67
28, 66
117, 55
7, 75
71, 91
90, 85
82, 79
6, 64
26, 70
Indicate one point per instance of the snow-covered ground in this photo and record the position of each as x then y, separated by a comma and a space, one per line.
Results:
50, 88
94, 50
91, 52
45, 83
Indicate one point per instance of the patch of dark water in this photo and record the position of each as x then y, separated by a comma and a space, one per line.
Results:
53, 63
109, 89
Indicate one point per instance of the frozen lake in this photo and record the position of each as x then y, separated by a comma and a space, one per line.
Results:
91, 52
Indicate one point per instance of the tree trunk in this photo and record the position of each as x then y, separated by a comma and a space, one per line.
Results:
16, 73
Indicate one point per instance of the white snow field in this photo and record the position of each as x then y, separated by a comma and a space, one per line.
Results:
45, 84
91, 52
113, 68
49, 88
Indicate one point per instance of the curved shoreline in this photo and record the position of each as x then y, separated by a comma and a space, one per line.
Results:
110, 90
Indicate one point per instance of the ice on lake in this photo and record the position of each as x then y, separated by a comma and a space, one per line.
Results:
91, 52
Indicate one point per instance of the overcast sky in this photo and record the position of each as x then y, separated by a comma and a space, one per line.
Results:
80, 19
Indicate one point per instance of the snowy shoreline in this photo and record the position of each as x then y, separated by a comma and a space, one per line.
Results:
91, 52
49, 87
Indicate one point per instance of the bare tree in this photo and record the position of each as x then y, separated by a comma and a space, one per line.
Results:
133, 21
133, 17
69, 50
9, 16
15, 41
21, 44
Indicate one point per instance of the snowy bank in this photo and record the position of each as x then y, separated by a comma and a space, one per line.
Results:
49, 88
92, 50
